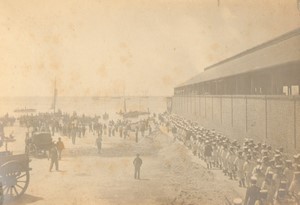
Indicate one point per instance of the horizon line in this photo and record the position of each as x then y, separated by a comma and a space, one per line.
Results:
90, 96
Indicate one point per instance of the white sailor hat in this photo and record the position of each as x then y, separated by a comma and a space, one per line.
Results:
237, 201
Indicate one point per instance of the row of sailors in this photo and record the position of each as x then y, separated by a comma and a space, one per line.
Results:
276, 177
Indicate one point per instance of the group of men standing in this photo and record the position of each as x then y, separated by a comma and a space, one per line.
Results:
270, 176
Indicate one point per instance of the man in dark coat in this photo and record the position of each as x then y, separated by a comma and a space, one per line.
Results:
60, 146
137, 162
253, 192
54, 157
99, 143
208, 150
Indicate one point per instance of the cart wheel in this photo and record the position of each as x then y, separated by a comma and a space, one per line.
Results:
14, 179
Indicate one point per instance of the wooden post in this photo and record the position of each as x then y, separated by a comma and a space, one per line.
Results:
266, 113
221, 109
236, 85
212, 107
295, 124
200, 106
272, 83
195, 105
231, 111
246, 101
205, 105
251, 85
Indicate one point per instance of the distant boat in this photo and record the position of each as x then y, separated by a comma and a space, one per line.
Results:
131, 114
25, 110
134, 114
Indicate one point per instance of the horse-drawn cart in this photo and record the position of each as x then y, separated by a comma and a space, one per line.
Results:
38, 143
14, 172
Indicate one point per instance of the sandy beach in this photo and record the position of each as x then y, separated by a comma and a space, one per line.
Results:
169, 174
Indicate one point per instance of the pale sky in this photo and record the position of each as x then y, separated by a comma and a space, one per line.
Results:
108, 47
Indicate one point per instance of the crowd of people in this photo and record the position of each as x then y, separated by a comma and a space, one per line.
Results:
74, 126
270, 176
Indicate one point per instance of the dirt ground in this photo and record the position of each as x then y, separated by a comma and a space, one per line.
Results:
169, 174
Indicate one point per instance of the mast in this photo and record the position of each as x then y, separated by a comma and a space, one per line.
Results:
125, 105
54, 97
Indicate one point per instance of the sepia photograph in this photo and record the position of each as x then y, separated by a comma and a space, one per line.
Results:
149, 102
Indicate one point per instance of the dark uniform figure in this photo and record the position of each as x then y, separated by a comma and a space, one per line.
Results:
208, 150
60, 146
174, 132
53, 158
253, 193
99, 143
137, 162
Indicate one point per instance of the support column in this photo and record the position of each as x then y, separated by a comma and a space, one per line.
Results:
205, 105
295, 124
266, 113
221, 109
212, 107
246, 101
231, 111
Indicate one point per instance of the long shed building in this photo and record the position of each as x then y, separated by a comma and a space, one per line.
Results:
272, 68
254, 94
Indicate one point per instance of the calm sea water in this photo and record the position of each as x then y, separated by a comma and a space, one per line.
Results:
83, 105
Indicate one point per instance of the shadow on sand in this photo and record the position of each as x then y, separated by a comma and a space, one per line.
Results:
25, 199
125, 149
144, 179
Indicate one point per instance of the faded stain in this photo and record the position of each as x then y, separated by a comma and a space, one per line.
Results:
53, 39
167, 80
215, 46
102, 71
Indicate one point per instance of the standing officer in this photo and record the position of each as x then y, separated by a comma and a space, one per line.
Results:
252, 193
60, 146
99, 143
208, 154
137, 162
239, 164
53, 157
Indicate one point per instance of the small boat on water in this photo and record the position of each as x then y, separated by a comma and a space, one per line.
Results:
25, 110
134, 114
131, 114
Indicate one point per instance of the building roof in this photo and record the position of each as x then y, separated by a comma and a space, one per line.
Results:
281, 50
